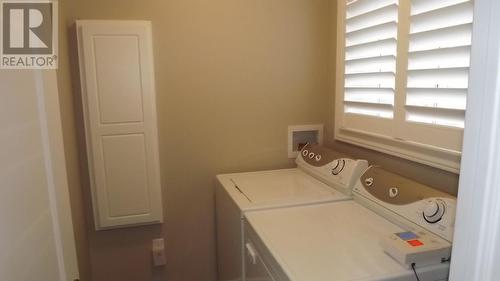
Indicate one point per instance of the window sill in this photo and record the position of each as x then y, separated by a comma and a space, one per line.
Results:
440, 158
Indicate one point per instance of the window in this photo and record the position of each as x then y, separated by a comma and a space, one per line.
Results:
402, 77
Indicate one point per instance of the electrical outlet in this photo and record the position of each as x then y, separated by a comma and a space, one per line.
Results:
159, 257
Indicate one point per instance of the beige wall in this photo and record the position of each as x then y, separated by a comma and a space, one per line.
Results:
231, 76
70, 135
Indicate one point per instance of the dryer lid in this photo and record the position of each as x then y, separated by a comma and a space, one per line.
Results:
288, 185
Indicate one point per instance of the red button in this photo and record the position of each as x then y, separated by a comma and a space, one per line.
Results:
415, 243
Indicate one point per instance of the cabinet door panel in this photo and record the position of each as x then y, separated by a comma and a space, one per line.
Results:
116, 67
125, 175
118, 78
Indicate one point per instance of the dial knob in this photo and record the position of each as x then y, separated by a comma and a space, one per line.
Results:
369, 182
338, 166
317, 158
434, 211
305, 152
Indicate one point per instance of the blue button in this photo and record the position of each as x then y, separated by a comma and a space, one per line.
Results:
407, 235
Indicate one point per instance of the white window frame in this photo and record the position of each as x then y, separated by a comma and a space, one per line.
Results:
442, 158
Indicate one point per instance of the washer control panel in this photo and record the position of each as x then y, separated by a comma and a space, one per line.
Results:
420, 248
434, 210
411, 201
335, 169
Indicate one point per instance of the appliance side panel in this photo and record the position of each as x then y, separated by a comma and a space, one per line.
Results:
229, 236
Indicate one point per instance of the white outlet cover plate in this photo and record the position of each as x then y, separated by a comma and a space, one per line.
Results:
303, 128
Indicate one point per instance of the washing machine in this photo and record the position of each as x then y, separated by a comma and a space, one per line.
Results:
322, 175
394, 230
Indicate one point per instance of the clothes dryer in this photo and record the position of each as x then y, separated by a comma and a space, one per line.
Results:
322, 175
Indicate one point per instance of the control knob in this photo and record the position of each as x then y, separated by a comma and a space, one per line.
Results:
434, 211
369, 182
317, 158
338, 166
305, 152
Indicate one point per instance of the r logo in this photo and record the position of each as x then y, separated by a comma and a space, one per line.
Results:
27, 28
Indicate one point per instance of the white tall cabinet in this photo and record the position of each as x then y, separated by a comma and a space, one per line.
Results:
118, 90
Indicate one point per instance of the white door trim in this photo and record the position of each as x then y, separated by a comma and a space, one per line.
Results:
55, 165
476, 249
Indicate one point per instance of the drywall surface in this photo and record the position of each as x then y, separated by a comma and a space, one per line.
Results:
70, 135
231, 75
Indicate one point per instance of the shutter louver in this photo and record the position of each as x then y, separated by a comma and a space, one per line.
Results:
438, 61
371, 28
402, 72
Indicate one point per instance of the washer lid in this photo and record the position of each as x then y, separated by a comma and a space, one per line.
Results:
335, 241
291, 185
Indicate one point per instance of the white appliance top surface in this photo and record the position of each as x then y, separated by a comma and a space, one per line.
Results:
335, 241
283, 186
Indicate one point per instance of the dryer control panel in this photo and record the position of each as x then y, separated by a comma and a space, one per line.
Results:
335, 169
408, 202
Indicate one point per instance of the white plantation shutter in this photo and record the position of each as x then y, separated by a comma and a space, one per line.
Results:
438, 61
371, 28
402, 77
